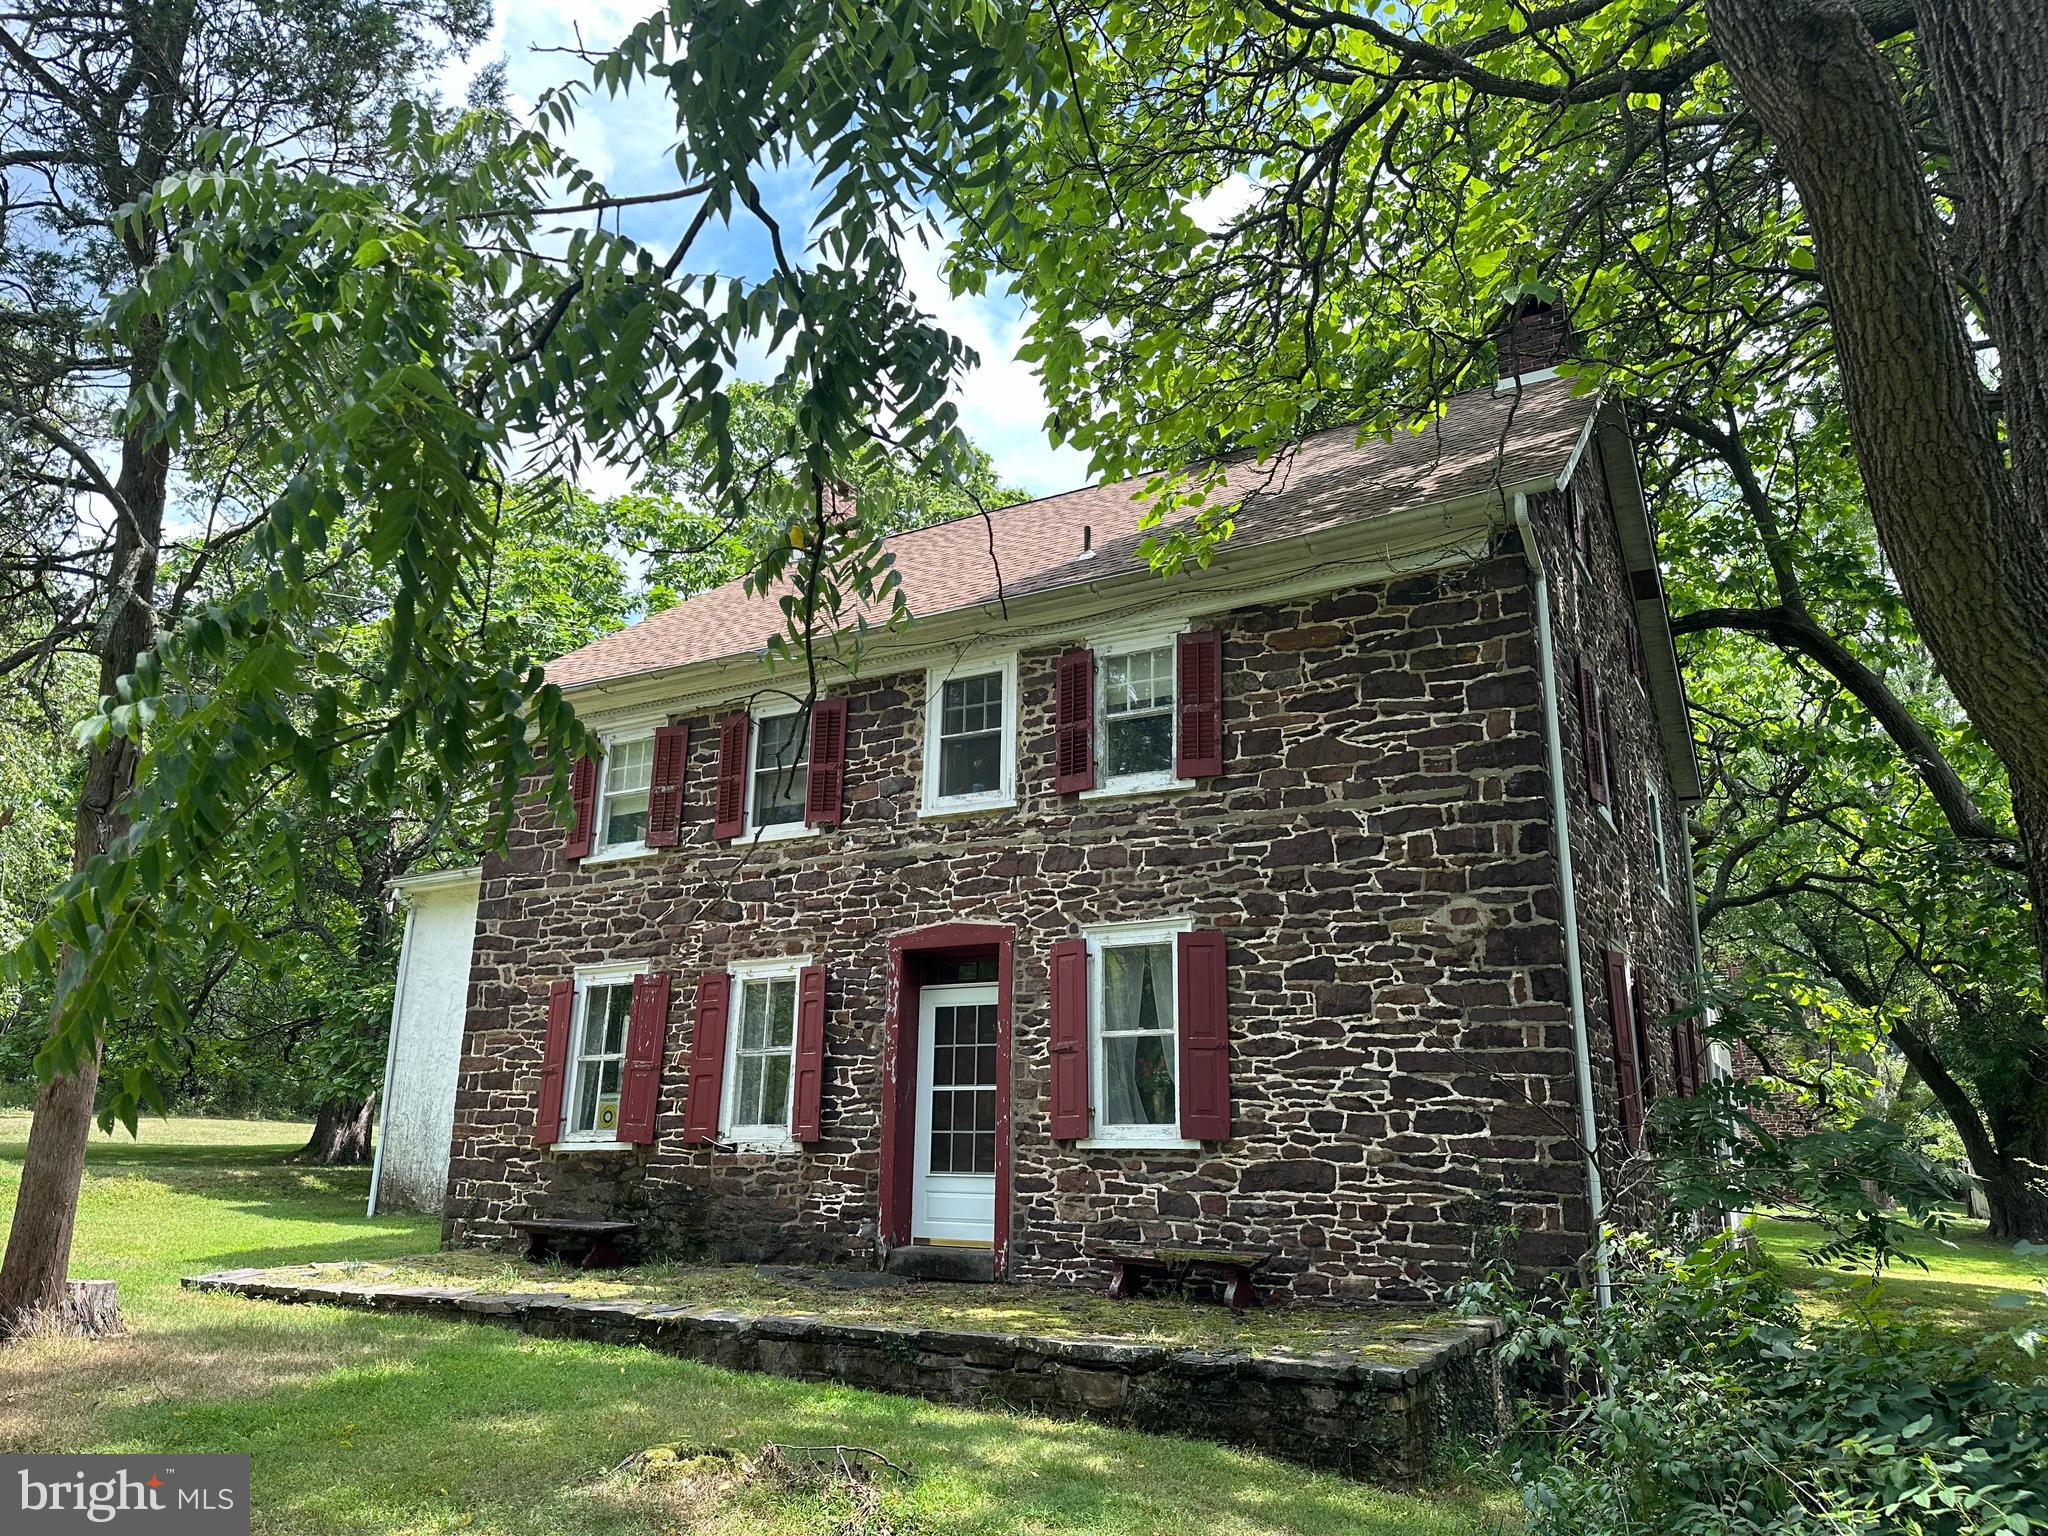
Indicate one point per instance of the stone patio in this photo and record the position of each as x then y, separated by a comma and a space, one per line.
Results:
1378, 1408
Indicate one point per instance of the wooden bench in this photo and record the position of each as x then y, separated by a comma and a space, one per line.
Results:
1132, 1267
588, 1244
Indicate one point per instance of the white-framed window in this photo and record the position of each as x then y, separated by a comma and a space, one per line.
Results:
597, 1055
970, 739
1660, 851
778, 774
760, 1065
624, 776
1134, 1034
1136, 708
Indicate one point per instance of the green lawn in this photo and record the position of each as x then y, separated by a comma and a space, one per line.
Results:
1970, 1282
395, 1424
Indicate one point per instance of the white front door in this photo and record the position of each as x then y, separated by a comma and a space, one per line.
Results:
955, 1196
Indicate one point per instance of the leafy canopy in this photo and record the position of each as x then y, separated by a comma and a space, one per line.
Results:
420, 341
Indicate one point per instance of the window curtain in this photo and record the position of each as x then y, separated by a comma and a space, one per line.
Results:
1138, 1071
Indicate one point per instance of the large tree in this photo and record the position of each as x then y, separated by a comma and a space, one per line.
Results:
1776, 224
400, 353
1246, 220
99, 103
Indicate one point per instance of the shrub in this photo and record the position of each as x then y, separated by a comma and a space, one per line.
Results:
1702, 1401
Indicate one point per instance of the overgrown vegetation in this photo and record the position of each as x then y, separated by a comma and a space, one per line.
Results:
1704, 1400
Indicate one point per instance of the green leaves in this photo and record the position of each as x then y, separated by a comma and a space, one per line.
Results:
395, 354
1705, 1400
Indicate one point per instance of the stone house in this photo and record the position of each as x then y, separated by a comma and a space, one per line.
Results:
1231, 909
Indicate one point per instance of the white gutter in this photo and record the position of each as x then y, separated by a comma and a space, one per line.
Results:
1575, 981
391, 1054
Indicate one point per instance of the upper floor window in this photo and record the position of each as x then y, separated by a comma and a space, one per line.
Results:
626, 774
1660, 853
970, 759
1139, 712
1137, 708
782, 757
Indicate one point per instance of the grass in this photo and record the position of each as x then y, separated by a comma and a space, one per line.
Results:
1970, 1284
361, 1423
1056, 1311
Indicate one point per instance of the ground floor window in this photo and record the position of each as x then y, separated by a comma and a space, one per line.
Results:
1134, 1053
600, 1058
763, 1033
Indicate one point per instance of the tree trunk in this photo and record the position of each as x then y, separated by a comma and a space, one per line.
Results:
53, 1163
1966, 536
341, 1133
2019, 1205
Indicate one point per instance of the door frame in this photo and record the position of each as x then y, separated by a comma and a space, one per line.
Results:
908, 953
982, 994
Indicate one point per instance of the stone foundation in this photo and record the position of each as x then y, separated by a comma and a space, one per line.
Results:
1385, 1414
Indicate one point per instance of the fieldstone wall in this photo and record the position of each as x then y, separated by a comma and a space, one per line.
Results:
1621, 905
1377, 853
1382, 1416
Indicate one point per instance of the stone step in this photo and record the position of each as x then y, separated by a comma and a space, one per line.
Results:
924, 1261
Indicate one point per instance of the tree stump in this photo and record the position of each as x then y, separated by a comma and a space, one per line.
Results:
91, 1308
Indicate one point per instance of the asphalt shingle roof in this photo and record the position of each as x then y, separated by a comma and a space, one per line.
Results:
1485, 438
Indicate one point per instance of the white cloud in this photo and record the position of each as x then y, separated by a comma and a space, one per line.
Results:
1001, 405
1216, 209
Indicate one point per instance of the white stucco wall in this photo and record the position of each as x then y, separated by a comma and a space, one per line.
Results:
426, 1021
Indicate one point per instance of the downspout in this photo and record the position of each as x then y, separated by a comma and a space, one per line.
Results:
391, 1054
1575, 982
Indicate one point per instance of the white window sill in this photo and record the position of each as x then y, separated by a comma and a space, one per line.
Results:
621, 854
574, 1145
1149, 1144
766, 1142
781, 832
1151, 784
980, 806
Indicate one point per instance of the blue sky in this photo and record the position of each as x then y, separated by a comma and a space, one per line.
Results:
626, 143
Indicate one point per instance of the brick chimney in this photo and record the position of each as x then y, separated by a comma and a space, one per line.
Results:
1533, 338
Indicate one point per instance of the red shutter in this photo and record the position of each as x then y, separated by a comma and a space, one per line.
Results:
1204, 1025
808, 1092
583, 796
1594, 739
1646, 1066
1626, 1083
665, 793
824, 781
554, 1063
1684, 1067
1069, 1039
646, 1040
730, 815
1073, 714
707, 1057
1198, 753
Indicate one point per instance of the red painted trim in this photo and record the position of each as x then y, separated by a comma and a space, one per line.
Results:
899, 1070
899, 1117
